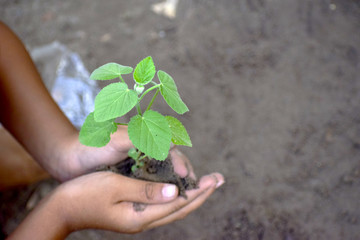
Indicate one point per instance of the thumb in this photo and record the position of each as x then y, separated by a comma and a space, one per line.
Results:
134, 190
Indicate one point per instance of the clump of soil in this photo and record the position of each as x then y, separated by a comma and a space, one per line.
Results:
154, 171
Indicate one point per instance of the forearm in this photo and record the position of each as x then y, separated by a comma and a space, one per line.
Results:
46, 221
26, 108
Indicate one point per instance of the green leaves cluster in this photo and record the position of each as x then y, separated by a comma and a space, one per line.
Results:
150, 132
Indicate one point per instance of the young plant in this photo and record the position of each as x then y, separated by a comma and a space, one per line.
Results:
150, 132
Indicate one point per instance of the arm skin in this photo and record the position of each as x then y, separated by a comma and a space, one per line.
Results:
28, 112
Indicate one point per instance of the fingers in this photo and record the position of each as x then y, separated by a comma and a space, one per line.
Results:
159, 214
182, 165
187, 209
183, 212
134, 190
114, 195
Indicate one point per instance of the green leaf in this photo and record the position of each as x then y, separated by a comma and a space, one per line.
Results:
151, 134
170, 93
110, 71
179, 135
144, 71
96, 134
114, 100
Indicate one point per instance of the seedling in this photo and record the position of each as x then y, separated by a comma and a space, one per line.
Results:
150, 132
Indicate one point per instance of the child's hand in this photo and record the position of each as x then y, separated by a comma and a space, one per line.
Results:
81, 159
105, 200
78, 159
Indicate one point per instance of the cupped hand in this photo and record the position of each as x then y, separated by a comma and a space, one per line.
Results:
78, 159
106, 200
81, 159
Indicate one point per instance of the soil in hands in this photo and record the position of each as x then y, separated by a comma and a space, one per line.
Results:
154, 171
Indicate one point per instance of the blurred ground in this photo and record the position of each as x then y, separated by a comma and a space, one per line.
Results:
273, 91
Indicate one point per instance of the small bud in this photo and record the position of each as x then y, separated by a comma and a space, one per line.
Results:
133, 153
134, 168
139, 88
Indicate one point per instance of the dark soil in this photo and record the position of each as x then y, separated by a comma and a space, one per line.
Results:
154, 171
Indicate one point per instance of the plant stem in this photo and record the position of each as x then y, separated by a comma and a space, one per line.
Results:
138, 108
152, 100
121, 79
148, 90
142, 157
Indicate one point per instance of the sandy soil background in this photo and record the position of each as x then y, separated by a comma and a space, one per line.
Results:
273, 91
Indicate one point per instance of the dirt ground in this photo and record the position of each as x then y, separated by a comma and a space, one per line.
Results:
273, 89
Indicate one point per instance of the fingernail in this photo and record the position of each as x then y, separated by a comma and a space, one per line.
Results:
169, 190
219, 183
219, 180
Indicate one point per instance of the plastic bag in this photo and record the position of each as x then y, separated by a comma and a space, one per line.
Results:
67, 79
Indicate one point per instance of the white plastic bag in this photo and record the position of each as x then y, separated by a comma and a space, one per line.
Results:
67, 79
